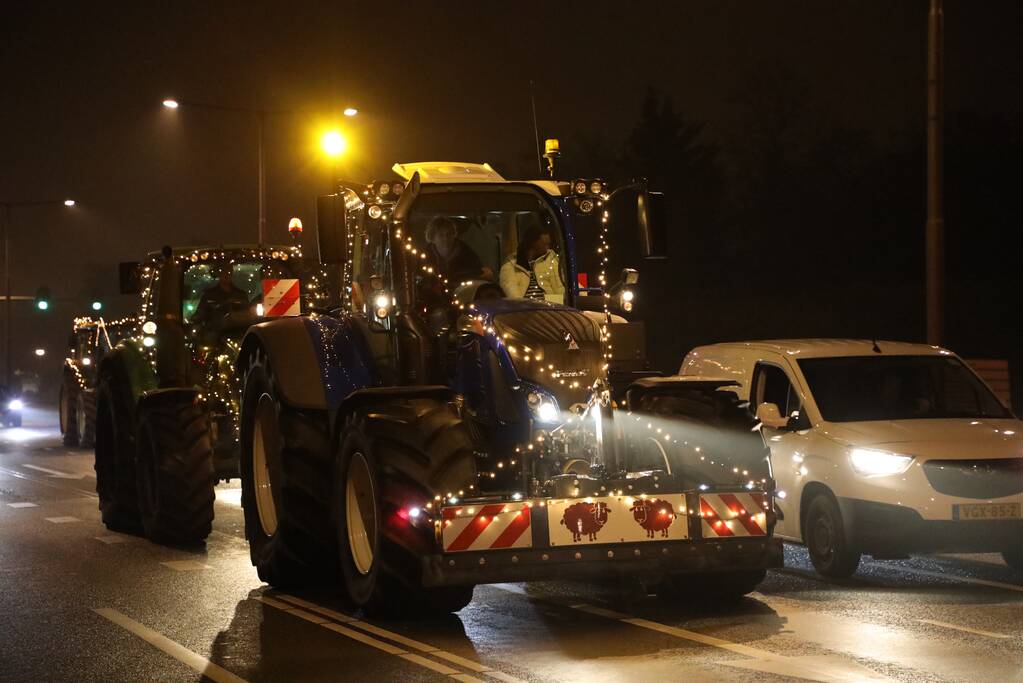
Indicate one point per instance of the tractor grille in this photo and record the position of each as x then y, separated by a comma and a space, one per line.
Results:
566, 340
976, 478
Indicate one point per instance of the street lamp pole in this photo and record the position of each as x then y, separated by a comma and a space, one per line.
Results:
935, 250
260, 115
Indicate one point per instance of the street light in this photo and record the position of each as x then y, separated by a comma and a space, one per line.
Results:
40, 352
6, 213
333, 143
260, 115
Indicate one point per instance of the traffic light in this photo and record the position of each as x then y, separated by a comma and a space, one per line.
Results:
97, 305
43, 298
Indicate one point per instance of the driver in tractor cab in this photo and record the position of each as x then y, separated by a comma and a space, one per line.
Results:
220, 299
533, 272
450, 257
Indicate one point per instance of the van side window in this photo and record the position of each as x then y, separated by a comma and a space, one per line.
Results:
772, 385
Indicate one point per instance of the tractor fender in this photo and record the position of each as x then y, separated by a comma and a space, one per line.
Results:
381, 396
155, 397
297, 366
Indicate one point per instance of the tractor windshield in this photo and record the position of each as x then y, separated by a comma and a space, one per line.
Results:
269, 287
509, 237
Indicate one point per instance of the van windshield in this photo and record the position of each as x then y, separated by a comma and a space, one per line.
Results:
870, 388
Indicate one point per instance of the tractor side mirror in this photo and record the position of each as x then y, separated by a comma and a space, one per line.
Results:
650, 218
129, 275
770, 416
331, 228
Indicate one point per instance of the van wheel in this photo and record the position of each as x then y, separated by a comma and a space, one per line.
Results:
1014, 558
830, 551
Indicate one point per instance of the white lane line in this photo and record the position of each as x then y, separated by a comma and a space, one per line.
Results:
185, 565
56, 474
22, 505
161, 642
404, 640
361, 637
953, 577
967, 629
62, 520
43, 482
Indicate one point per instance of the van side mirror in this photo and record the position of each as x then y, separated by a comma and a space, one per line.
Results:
770, 416
331, 228
129, 274
650, 217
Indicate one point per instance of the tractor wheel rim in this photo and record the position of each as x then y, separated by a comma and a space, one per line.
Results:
360, 513
265, 506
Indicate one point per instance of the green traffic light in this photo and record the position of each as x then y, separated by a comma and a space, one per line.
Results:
97, 305
43, 305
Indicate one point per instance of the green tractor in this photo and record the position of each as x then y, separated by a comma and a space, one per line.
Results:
90, 340
166, 426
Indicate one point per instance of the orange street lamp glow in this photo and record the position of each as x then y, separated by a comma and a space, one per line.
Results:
333, 143
350, 111
170, 103
69, 202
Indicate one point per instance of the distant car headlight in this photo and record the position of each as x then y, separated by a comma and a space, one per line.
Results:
15, 404
544, 408
872, 463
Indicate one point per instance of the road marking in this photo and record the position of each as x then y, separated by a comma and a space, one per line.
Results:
56, 474
62, 520
954, 577
43, 482
404, 640
161, 642
287, 603
22, 505
114, 538
967, 629
185, 565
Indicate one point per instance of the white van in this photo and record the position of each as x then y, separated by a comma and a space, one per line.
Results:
882, 448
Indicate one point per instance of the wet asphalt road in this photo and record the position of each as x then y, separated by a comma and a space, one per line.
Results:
79, 603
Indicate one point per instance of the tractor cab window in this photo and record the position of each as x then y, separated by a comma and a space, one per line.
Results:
511, 238
214, 289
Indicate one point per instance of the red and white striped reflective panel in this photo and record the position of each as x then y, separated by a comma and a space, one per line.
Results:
281, 298
486, 527
724, 515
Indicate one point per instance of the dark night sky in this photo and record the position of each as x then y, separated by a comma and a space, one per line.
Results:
82, 84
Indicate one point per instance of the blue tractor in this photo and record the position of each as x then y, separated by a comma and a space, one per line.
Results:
454, 421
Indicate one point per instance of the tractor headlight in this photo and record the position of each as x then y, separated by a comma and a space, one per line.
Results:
872, 463
579, 186
375, 212
627, 296
86, 360
15, 404
383, 189
586, 205
544, 408
596, 187
383, 302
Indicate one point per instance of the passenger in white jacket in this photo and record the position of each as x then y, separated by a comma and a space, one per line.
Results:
534, 272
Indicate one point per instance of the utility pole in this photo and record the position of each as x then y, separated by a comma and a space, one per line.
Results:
935, 228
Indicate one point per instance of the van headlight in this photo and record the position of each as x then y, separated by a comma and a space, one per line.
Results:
544, 408
872, 463
15, 404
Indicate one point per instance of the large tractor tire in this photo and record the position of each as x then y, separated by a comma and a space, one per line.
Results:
85, 418
1014, 557
115, 454
419, 446
174, 470
67, 411
285, 465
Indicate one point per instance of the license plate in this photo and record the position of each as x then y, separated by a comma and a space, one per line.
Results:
987, 511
